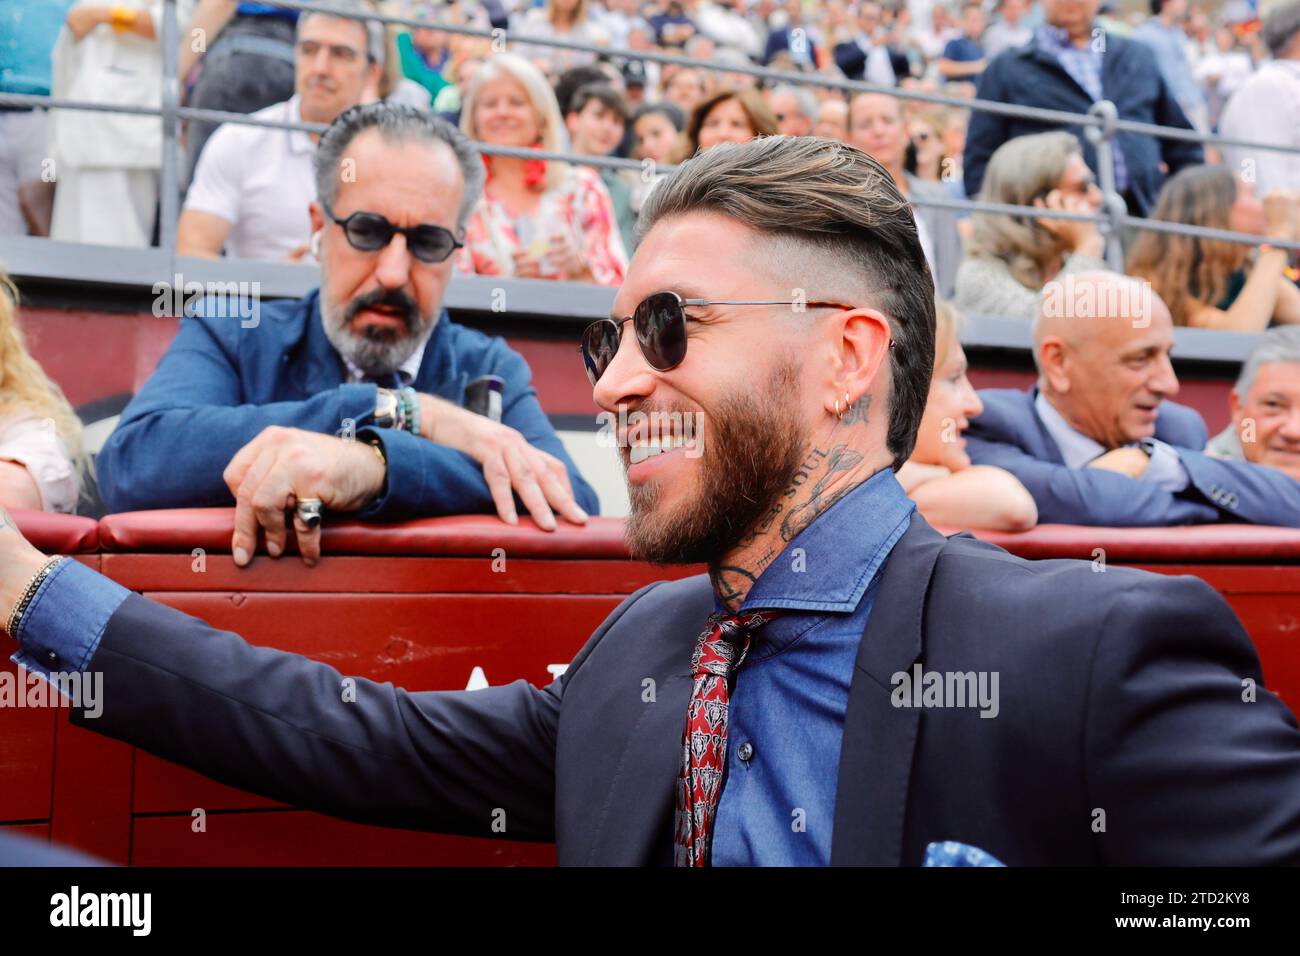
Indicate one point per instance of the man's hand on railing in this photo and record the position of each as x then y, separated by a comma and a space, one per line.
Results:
283, 466
509, 463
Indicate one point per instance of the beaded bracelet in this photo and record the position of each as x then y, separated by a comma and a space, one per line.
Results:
410, 406
29, 592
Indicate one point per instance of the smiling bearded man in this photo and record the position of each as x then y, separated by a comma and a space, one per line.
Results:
756, 715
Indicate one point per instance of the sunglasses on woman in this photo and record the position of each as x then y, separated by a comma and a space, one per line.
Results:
370, 232
660, 323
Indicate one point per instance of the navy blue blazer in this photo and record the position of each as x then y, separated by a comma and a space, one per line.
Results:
778, 41
220, 385
1119, 691
1010, 435
1130, 78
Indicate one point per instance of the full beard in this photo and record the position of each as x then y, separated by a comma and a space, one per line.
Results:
376, 351
755, 446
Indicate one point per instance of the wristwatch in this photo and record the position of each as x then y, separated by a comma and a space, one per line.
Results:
385, 408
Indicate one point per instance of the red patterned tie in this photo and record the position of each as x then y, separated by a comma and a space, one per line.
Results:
720, 650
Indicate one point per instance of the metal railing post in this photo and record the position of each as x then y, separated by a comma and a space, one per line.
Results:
169, 210
1113, 207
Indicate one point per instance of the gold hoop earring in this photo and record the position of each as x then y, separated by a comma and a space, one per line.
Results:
839, 412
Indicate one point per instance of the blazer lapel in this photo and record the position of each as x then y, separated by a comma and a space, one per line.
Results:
1048, 442
880, 739
630, 826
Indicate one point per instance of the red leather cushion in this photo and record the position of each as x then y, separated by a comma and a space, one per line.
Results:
461, 536
1217, 543
57, 533
602, 538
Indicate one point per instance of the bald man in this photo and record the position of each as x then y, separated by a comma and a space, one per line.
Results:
1097, 441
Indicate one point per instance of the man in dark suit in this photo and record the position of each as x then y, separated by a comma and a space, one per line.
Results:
796, 40
863, 687
258, 405
862, 58
1069, 65
1096, 441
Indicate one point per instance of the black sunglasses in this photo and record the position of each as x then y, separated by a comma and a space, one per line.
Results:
660, 323
370, 232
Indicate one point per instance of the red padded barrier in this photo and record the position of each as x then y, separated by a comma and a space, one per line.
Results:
602, 538
56, 533
426, 604
466, 535
1190, 544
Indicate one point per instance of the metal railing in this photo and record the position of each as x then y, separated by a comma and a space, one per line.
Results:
1100, 125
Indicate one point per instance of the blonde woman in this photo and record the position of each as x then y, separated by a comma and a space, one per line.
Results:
939, 477
40, 434
536, 219
1010, 258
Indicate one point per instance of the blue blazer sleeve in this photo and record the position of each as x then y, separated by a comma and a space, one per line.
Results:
177, 435
1176, 153
291, 729
1064, 495
1244, 491
987, 131
850, 59
1176, 706
428, 479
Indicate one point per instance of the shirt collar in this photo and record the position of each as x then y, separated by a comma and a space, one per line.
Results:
829, 565
299, 142
1056, 39
1077, 449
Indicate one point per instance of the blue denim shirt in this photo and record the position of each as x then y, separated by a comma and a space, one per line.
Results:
787, 708
67, 617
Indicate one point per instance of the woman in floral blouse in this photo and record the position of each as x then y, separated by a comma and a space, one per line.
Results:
537, 219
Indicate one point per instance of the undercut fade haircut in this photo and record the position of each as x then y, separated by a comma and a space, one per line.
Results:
842, 215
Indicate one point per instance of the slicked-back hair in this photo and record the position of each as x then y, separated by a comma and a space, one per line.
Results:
839, 206
397, 123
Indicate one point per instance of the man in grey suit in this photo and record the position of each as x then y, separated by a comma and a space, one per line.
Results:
863, 687
1097, 441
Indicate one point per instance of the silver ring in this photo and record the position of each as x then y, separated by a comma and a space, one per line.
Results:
309, 512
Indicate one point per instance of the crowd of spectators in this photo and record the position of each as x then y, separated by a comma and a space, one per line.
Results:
249, 189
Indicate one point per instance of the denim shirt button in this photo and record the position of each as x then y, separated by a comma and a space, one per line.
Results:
745, 752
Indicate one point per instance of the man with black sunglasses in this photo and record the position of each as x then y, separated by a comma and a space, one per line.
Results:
353, 398
844, 686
